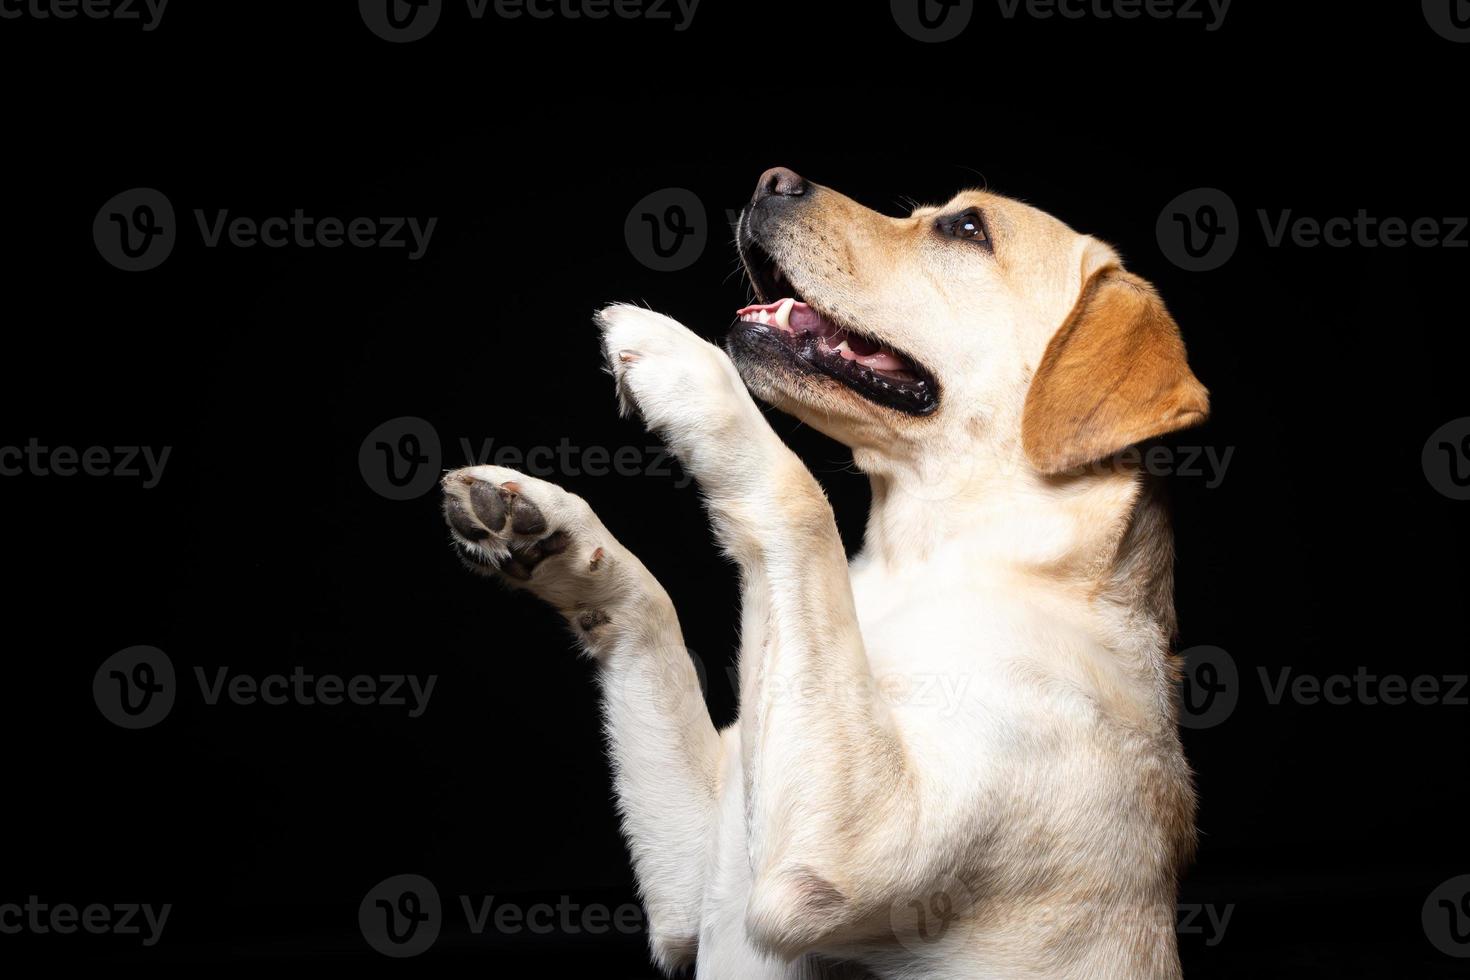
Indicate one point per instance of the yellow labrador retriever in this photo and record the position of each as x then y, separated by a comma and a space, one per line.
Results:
957, 754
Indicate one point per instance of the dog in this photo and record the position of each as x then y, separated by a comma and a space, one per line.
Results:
957, 755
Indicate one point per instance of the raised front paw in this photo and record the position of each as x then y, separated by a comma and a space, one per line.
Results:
686, 389
663, 370
538, 537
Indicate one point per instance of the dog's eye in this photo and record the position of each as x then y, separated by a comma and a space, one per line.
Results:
967, 225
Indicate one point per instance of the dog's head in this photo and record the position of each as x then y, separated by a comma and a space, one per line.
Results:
979, 323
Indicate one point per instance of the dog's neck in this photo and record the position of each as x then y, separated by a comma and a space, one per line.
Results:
999, 512
1101, 536
1097, 549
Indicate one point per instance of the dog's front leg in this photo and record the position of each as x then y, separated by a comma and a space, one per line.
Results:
665, 751
831, 809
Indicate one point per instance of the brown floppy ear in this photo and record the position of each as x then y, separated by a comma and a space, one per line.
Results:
1113, 375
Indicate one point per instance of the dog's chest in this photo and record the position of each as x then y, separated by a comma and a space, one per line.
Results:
940, 649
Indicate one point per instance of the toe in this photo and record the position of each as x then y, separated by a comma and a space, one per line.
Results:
489, 504
525, 517
459, 518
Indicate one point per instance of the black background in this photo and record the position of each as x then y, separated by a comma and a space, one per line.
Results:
1323, 549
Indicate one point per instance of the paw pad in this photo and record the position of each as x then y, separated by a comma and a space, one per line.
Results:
492, 523
523, 560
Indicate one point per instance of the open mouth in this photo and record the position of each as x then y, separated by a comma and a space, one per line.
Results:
815, 342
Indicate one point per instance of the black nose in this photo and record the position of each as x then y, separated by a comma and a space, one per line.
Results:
780, 182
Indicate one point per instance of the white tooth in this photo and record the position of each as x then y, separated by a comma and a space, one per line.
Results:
783, 315
842, 346
763, 316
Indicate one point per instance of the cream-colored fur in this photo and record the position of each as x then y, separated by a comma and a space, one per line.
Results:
956, 755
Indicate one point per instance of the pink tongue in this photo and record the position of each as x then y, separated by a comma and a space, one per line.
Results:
808, 320
868, 352
880, 362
